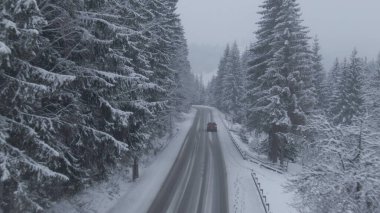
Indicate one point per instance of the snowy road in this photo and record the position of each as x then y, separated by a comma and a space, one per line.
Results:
197, 181
198, 172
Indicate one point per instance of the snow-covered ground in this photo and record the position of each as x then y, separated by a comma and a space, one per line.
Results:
119, 194
243, 196
271, 182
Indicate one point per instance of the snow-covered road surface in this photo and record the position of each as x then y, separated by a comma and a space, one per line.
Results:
208, 175
197, 181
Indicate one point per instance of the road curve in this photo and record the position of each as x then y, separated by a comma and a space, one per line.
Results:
197, 182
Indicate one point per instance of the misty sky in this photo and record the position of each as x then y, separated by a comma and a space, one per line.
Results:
341, 25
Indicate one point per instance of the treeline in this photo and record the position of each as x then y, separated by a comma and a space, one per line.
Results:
84, 87
327, 122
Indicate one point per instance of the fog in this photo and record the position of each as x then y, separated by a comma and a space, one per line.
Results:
341, 25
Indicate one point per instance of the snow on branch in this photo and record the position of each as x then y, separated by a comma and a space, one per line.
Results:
54, 79
33, 134
88, 36
117, 113
151, 86
113, 27
121, 146
25, 5
33, 86
17, 158
4, 49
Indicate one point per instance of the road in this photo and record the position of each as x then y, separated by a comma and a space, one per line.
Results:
197, 182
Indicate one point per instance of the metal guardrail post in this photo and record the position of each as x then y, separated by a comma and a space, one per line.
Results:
261, 193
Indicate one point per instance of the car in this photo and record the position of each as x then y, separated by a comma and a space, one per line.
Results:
212, 127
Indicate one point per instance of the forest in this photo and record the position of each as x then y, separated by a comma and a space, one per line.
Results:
84, 87
87, 86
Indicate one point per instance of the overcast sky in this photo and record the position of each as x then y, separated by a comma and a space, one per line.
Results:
341, 25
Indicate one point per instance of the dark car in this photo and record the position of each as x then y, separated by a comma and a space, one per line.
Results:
211, 127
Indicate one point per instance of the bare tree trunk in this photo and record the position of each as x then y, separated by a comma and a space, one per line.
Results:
273, 146
1, 193
135, 170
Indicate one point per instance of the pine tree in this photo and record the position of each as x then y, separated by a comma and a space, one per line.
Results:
350, 98
370, 92
29, 156
222, 70
261, 52
181, 95
232, 82
332, 88
280, 83
245, 58
375, 88
318, 72
211, 92
84, 85
378, 65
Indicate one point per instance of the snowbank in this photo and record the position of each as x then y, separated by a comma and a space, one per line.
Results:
271, 181
243, 195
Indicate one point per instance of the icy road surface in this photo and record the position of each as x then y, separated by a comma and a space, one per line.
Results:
197, 181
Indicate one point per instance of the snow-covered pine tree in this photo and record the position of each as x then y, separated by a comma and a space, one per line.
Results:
292, 58
199, 90
341, 162
318, 73
350, 100
375, 88
211, 92
106, 67
33, 163
219, 78
378, 65
245, 58
82, 84
227, 81
280, 90
232, 82
332, 87
164, 39
371, 92
181, 97
202, 90
261, 54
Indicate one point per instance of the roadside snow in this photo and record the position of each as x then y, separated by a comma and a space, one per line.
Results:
271, 182
243, 195
119, 193
273, 185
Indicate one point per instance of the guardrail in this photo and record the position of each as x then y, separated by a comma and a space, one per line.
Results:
245, 156
265, 164
263, 198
